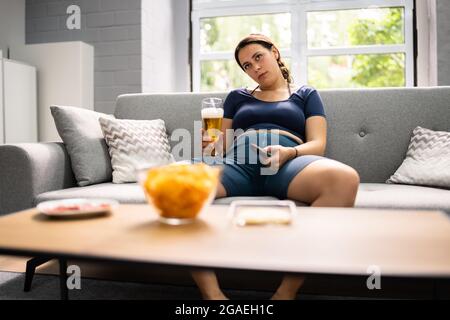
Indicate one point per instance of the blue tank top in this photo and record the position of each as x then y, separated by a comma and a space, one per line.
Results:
248, 112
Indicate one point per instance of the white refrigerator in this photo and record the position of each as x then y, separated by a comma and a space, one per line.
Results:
18, 102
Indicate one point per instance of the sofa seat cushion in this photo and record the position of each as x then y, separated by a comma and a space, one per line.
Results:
370, 195
228, 200
397, 196
124, 193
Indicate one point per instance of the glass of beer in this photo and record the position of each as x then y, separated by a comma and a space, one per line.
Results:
212, 115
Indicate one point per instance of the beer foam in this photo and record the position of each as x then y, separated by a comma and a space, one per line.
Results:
210, 113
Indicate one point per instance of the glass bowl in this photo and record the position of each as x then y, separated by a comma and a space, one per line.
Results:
179, 191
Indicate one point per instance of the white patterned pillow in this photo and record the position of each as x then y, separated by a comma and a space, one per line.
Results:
427, 160
133, 144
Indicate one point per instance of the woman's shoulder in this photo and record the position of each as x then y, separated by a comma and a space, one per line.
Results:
302, 91
239, 91
302, 88
238, 94
236, 98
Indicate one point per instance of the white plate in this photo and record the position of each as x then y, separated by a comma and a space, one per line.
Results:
76, 207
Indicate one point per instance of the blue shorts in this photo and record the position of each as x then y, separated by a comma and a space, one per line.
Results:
244, 175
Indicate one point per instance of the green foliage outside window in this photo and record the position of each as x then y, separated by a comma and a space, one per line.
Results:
352, 27
379, 70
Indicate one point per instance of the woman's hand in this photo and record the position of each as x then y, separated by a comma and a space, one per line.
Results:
206, 139
279, 155
208, 144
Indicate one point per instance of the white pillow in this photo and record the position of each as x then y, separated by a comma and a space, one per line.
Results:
133, 144
427, 160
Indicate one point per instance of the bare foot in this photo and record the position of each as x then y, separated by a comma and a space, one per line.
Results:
218, 296
283, 296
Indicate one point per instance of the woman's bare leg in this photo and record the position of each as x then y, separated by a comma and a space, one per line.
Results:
323, 183
288, 288
208, 284
221, 192
206, 280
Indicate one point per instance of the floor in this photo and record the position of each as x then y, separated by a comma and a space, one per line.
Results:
96, 284
100, 281
46, 287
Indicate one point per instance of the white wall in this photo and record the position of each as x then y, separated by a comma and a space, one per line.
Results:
1, 100
443, 42
12, 24
20, 103
87, 76
158, 46
65, 77
426, 43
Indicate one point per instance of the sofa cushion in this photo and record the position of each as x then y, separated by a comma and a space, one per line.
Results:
124, 193
133, 144
80, 131
367, 129
228, 200
393, 196
370, 195
427, 160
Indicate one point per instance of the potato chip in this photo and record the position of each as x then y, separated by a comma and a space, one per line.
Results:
181, 190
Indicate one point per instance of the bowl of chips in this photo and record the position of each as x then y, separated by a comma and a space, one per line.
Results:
179, 191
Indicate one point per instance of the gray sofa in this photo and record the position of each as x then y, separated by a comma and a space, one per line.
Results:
367, 129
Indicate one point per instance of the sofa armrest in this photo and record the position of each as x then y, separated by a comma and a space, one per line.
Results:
29, 169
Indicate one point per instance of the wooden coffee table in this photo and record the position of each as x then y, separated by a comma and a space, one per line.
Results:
337, 241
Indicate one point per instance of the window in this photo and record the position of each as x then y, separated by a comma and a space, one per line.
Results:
327, 44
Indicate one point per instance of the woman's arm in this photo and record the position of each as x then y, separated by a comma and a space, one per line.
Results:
226, 124
316, 133
316, 137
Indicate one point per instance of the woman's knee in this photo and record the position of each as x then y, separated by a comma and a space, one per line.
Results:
325, 177
221, 191
309, 183
342, 180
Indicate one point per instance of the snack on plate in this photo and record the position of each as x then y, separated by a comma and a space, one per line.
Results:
257, 216
181, 190
79, 207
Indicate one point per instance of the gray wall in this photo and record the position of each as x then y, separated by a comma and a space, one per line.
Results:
135, 55
140, 45
182, 24
113, 27
443, 42
12, 24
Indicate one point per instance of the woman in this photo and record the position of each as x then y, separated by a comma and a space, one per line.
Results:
294, 118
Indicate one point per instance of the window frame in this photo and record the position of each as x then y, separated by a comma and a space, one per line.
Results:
299, 51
